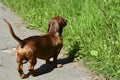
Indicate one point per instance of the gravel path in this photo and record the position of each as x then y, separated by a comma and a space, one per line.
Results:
69, 71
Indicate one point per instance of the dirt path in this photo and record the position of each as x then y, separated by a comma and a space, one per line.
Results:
69, 71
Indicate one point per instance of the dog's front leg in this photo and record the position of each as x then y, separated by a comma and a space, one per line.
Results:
56, 62
56, 53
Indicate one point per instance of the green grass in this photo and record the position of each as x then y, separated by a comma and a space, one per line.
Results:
92, 33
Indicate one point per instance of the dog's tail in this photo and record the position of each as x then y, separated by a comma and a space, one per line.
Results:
13, 34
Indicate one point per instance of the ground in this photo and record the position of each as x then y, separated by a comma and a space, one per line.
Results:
70, 70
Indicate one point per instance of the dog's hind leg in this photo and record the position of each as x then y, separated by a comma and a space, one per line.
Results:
20, 66
20, 70
31, 67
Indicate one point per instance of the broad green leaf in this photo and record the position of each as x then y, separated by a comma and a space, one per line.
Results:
94, 53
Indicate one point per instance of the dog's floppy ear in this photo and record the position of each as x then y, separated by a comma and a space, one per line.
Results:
64, 22
48, 27
51, 23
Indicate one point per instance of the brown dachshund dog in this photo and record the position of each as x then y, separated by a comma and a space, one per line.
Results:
42, 47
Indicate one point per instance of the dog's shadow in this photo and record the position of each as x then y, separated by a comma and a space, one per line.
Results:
46, 68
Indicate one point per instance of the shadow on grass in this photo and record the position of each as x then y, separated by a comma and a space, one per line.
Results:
75, 48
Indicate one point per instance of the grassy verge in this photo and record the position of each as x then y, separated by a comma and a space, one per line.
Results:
92, 33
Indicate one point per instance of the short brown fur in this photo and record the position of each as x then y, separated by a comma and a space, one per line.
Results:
42, 47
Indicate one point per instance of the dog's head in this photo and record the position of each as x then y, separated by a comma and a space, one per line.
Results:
56, 24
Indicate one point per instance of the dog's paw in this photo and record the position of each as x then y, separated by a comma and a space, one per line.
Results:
23, 76
33, 73
59, 65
